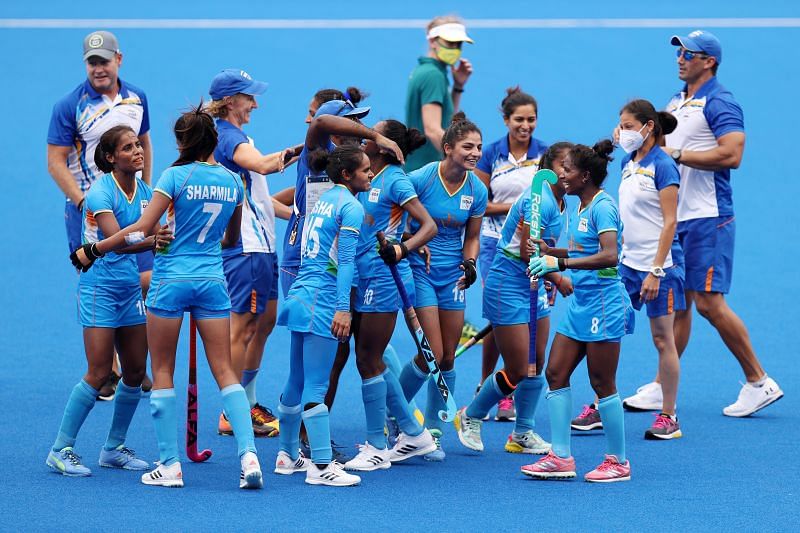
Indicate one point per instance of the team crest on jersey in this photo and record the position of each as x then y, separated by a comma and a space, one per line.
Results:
583, 224
374, 194
466, 202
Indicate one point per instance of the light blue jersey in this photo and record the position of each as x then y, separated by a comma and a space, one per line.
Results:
203, 198
584, 229
106, 196
508, 258
326, 273
450, 211
383, 211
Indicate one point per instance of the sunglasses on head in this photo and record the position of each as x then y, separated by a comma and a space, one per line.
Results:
688, 55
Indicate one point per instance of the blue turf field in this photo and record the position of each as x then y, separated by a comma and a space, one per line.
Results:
726, 474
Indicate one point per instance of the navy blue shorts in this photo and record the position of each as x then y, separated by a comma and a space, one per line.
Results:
252, 281
708, 252
670, 296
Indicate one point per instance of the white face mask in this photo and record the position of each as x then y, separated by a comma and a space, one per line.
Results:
630, 140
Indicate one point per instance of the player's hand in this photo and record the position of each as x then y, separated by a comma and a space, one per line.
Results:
340, 327
564, 286
470, 273
391, 253
387, 145
615, 134
649, 289
425, 252
85, 256
163, 238
543, 265
461, 72
544, 248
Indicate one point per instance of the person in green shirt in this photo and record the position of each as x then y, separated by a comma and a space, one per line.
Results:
430, 102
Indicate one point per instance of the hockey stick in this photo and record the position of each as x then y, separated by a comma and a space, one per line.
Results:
474, 340
539, 180
425, 348
191, 403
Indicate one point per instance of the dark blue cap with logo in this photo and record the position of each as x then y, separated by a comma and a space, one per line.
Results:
342, 108
234, 81
700, 41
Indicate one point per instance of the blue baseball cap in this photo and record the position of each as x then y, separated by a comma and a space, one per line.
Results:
342, 108
234, 81
700, 41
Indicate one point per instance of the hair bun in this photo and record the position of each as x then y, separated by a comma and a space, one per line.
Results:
604, 149
667, 121
460, 116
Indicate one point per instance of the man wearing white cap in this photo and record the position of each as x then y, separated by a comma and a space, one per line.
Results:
707, 144
78, 121
430, 102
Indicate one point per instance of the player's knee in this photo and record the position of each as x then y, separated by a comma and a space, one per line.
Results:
602, 384
709, 306
556, 379
515, 374
660, 341
133, 376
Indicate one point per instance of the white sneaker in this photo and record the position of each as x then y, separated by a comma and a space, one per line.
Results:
250, 474
369, 458
647, 398
407, 446
752, 398
165, 476
332, 475
469, 430
284, 464
527, 442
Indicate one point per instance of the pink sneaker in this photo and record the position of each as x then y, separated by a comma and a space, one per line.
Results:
609, 471
551, 466
505, 410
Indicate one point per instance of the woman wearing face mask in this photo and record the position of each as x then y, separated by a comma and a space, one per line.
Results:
599, 315
456, 199
506, 168
430, 102
317, 312
652, 258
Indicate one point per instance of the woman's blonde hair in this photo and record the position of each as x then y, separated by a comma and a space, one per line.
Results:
219, 108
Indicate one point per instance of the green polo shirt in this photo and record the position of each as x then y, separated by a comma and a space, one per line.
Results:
428, 84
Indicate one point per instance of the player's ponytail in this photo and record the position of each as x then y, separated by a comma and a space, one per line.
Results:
593, 160
108, 145
667, 122
644, 112
408, 139
342, 158
196, 136
354, 94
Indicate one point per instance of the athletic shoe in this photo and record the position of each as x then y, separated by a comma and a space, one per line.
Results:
391, 430
408, 446
551, 466
147, 384
165, 476
224, 426
588, 420
437, 455
337, 451
752, 398
609, 471
285, 466
122, 457
505, 410
648, 397
109, 388
664, 428
369, 458
332, 475
67, 462
469, 430
250, 474
527, 442
264, 422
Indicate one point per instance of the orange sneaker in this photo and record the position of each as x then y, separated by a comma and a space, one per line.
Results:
264, 422
224, 427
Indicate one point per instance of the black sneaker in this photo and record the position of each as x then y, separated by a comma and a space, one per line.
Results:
338, 454
109, 388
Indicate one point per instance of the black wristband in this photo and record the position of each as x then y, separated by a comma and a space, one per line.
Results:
403, 250
562, 264
458, 89
95, 252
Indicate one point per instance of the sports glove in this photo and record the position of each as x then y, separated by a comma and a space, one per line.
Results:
470, 272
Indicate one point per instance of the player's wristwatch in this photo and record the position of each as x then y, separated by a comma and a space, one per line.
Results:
676, 155
658, 272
